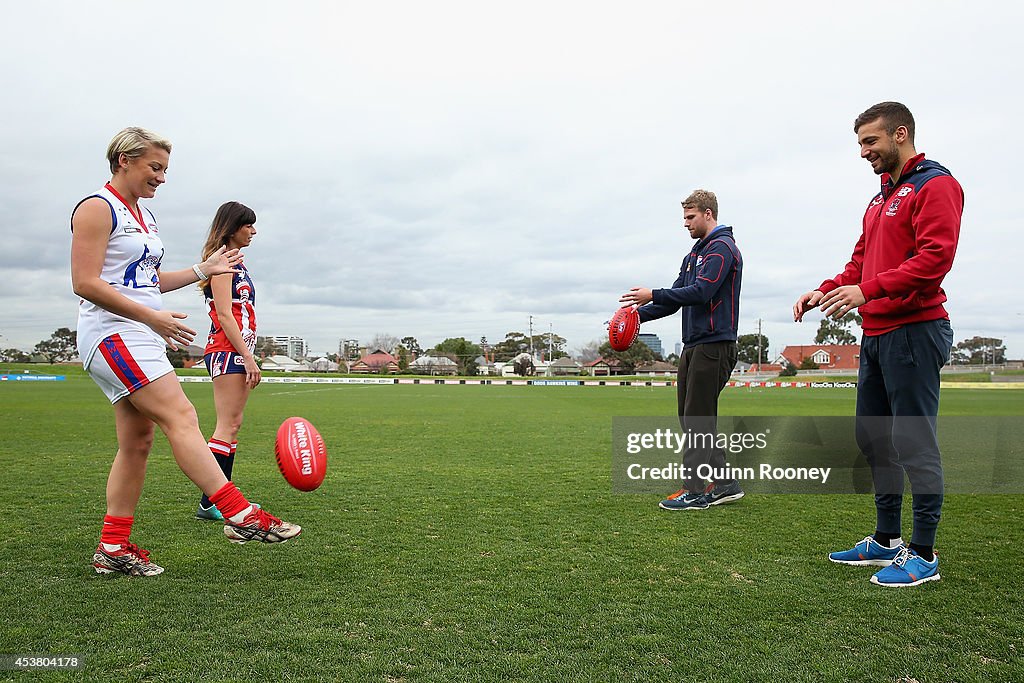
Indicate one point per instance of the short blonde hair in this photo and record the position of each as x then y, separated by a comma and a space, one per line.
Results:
133, 142
702, 200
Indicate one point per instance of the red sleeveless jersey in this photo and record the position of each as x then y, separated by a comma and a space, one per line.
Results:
243, 310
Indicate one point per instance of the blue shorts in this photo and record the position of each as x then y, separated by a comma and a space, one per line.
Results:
224, 363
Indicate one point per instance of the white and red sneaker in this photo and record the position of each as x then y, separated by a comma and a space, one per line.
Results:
128, 559
260, 525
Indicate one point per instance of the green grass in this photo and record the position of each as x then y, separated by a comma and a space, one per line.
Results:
469, 533
998, 376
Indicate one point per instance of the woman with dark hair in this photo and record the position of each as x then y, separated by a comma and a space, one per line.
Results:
229, 349
123, 334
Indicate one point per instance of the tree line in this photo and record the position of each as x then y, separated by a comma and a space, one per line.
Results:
753, 348
973, 351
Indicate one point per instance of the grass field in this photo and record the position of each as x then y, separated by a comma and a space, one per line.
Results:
469, 533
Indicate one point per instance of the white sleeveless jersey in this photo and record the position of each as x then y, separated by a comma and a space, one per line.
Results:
131, 266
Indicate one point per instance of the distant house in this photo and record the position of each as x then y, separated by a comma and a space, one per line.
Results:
434, 365
283, 364
191, 355
486, 367
564, 366
508, 369
657, 368
777, 366
602, 367
376, 362
323, 365
826, 356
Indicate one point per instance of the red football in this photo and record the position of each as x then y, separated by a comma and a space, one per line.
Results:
623, 328
301, 454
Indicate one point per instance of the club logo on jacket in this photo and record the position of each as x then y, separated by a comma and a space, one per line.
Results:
891, 211
700, 259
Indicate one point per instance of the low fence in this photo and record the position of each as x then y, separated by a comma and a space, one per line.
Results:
521, 382
31, 378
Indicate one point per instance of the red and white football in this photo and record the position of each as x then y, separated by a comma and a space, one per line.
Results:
301, 454
623, 328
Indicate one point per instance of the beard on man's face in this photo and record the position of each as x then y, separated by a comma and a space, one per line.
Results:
890, 162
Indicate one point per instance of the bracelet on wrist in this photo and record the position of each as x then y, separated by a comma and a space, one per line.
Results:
199, 273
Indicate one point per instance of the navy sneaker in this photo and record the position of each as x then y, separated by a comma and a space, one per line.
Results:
908, 569
719, 494
689, 501
683, 491
678, 494
867, 553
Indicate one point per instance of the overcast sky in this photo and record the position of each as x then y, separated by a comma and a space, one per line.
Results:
449, 169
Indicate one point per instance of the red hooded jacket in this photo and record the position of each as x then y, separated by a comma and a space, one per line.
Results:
906, 248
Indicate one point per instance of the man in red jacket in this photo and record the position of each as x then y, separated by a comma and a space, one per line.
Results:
909, 237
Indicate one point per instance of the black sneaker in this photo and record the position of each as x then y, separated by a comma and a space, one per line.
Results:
722, 493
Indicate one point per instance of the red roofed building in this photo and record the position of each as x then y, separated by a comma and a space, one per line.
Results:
375, 362
827, 356
658, 367
765, 367
602, 367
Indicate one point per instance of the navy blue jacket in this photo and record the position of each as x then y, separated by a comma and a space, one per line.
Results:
707, 289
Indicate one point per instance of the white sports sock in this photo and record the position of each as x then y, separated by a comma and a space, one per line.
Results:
111, 547
895, 543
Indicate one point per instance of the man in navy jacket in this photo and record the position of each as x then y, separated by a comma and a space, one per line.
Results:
708, 292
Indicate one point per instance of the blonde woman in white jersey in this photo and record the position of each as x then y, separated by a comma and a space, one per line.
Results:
123, 331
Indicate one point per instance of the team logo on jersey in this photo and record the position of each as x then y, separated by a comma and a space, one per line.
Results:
143, 273
891, 211
700, 259
904, 191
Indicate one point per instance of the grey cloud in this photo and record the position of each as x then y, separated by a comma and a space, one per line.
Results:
436, 179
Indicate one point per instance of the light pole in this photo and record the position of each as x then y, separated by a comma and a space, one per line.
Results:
760, 361
531, 338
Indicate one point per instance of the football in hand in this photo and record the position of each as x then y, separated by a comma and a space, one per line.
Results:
623, 328
301, 454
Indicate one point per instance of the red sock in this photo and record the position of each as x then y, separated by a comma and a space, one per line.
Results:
229, 500
116, 530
